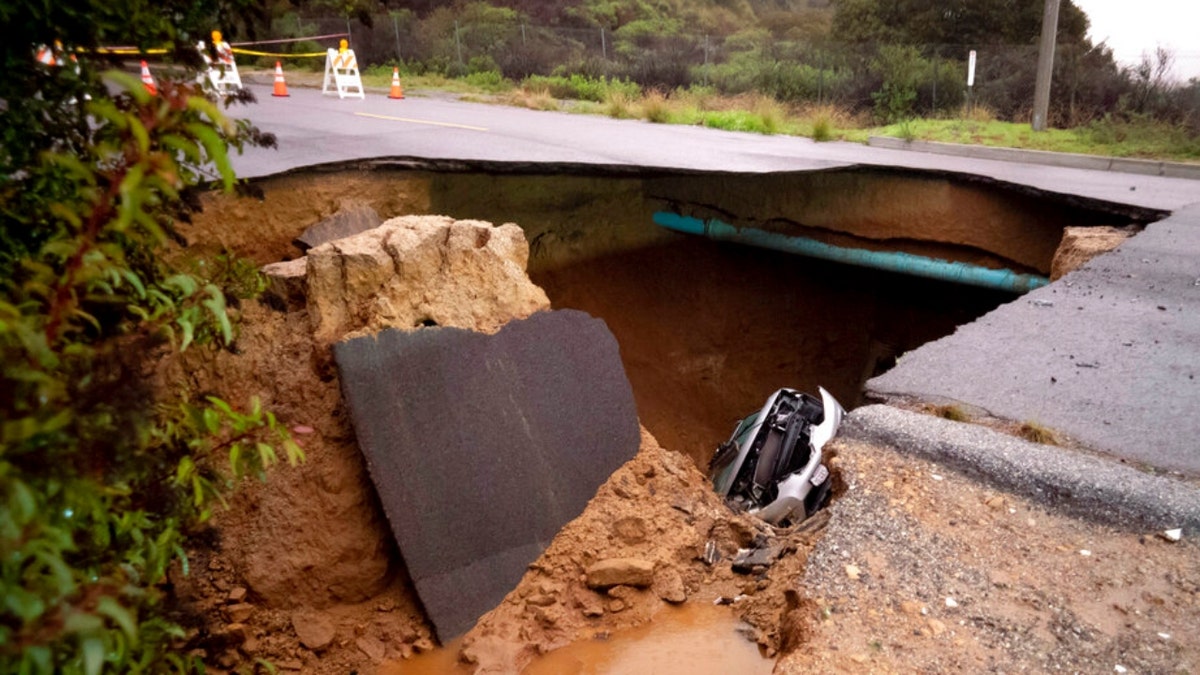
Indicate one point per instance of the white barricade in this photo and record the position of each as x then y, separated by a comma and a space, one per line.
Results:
224, 73
341, 72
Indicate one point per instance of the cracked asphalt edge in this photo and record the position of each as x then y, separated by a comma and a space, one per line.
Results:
1079, 484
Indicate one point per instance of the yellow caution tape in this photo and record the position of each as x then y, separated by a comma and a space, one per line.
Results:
124, 51
293, 56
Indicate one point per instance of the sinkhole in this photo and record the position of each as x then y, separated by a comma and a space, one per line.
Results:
708, 328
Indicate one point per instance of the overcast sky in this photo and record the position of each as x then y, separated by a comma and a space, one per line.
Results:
1131, 27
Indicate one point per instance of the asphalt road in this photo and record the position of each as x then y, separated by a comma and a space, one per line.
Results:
315, 129
1110, 354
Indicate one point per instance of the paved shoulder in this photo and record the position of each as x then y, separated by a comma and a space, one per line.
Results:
1107, 354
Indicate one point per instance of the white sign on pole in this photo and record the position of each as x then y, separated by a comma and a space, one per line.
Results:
971, 70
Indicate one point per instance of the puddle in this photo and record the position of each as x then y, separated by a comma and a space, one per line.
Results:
697, 639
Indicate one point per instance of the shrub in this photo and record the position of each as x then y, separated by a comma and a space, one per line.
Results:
487, 80
104, 473
618, 105
655, 108
900, 67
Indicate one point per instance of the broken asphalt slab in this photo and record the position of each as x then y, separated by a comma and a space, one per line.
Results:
1083, 485
348, 221
1108, 354
482, 447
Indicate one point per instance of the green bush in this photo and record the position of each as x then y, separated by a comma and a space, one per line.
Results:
900, 66
582, 87
105, 472
488, 80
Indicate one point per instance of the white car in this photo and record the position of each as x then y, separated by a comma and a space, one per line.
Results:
772, 464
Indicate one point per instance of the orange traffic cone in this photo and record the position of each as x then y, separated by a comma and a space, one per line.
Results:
397, 91
280, 85
148, 80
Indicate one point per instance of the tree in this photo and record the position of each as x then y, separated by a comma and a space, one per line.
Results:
103, 471
954, 22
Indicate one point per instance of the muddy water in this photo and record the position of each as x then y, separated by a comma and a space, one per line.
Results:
697, 639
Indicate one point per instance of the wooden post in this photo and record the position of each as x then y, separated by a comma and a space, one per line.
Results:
1045, 65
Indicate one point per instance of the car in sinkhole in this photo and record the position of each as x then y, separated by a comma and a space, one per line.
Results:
772, 466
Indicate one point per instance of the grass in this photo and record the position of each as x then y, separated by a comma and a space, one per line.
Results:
1036, 433
703, 106
1141, 139
952, 412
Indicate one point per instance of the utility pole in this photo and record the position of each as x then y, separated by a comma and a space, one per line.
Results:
1045, 66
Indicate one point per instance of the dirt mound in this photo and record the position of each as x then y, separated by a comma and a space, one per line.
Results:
638, 546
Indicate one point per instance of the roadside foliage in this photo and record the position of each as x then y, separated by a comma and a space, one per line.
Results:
107, 467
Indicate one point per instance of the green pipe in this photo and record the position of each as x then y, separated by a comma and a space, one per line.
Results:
891, 261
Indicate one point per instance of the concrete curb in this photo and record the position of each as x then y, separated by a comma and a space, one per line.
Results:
1080, 484
1147, 167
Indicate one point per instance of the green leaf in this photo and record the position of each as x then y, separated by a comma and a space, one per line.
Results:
92, 647
212, 422
184, 565
132, 85
125, 619
266, 454
189, 332
139, 133
221, 405
216, 305
215, 146
22, 504
23, 604
83, 623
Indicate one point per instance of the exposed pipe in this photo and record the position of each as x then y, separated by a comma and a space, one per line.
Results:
891, 261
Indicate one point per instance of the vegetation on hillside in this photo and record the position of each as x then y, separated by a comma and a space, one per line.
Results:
106, 471
892, 59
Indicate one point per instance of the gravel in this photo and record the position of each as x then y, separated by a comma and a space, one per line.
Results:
1073, 482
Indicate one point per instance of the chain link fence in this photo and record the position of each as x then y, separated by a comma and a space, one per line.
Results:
890, 80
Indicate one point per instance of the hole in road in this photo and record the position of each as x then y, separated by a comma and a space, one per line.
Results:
709, 329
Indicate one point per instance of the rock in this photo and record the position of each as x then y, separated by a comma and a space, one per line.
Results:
373, 648
668, 585
424, 644
289, 664
540, 600
1173, 535
351, 219
616, 605
236, 594
287, 283
590, 605
421, 270
630, 530
911, 607
936, 627
314, 630
1081, 244
240, 612
237, 632
853, 572
621, 571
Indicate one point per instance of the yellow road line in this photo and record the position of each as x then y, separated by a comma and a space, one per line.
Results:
436, 124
